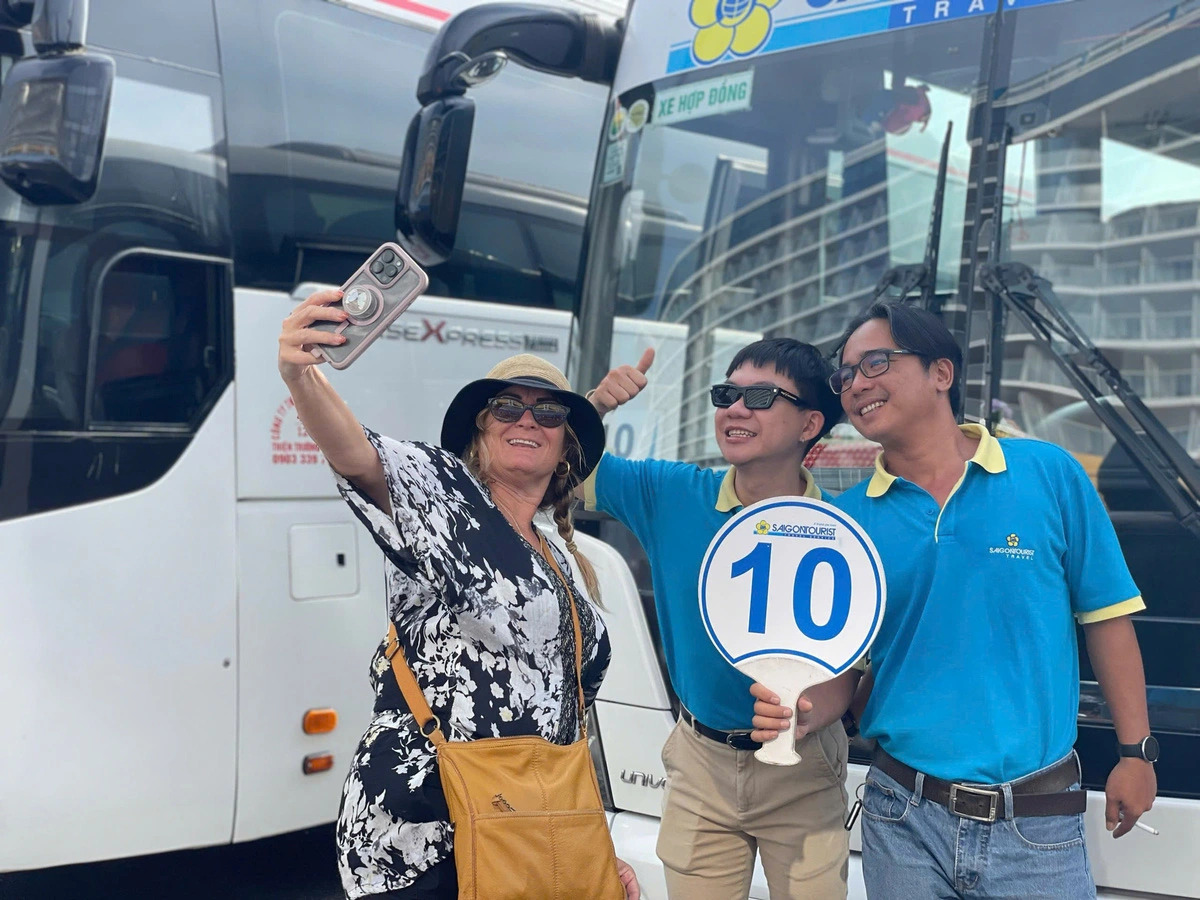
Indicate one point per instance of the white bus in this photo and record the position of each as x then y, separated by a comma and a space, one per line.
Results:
792, 155
181, 585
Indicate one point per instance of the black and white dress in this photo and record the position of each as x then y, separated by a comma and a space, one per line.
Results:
485, 625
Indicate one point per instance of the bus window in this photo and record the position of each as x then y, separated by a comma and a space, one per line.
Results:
1112, 183
315, 156
566, 120
313, 148
188, 42
495, 259
156, 358
557, 250
161, 187
778, 218
1106, 144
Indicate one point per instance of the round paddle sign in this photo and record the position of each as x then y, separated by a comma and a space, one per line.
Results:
791, 593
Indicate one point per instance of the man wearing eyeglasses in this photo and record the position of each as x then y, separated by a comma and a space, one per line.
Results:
993, 550
722, 804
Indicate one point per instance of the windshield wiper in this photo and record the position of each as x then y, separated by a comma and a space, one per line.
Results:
1150, 445
899, 282
1017, 287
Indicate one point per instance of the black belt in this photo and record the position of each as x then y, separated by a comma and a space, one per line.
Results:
1044, 795
738, 740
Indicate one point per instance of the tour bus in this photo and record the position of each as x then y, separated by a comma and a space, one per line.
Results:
188, 607
1028, 169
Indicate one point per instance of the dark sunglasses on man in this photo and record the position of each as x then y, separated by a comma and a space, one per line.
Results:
546, 413
754, 396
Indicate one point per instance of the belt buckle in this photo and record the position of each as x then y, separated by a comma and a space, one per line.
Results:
993, 797
734, 738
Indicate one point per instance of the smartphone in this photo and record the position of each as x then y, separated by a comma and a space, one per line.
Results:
375, 295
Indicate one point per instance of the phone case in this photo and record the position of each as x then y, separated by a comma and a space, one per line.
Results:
375, 295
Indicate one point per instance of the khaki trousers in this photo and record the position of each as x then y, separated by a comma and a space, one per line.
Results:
722, 805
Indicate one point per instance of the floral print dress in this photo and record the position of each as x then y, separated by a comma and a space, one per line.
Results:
485, 625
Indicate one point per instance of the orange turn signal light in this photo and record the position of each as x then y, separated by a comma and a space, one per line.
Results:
320, 721
318, 762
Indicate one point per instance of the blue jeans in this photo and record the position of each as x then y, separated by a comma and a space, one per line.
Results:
915, 848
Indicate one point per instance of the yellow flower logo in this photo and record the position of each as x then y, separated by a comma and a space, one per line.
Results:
729, 26
1013, 540
762, 527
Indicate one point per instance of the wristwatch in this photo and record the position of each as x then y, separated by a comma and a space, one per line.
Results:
1146, 748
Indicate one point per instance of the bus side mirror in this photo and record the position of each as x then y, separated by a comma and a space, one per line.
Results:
53, 118
432, 175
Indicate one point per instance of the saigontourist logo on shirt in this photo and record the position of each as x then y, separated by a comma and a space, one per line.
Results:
1012, 548
813, 532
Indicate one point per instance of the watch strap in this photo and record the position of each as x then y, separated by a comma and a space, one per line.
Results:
1138, 750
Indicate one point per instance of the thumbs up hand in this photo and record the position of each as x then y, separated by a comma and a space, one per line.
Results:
622, 384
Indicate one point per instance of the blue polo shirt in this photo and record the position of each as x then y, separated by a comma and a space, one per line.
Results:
976, 664
674, 509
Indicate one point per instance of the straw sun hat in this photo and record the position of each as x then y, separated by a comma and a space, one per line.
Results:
524, 370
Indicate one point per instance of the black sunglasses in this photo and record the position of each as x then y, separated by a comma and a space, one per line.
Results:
873, 364
546, 413
755, 396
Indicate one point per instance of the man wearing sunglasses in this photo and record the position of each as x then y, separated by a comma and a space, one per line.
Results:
993, 550
723, 805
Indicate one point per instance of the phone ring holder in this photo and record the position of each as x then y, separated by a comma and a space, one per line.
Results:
362, 304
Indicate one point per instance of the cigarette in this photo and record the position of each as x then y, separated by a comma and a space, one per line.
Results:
1145, 827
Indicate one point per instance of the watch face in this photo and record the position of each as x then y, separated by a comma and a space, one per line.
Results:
1150, 749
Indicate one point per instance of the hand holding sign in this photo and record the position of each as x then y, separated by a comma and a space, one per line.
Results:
792, 594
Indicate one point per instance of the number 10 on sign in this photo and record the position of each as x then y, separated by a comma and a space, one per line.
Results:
758, 563
792, 594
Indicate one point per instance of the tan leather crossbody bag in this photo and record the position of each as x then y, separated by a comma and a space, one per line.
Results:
528, 820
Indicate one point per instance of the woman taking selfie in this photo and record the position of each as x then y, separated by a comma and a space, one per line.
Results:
483, 617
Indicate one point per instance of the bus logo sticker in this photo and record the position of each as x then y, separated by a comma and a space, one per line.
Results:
739, 27
639, 112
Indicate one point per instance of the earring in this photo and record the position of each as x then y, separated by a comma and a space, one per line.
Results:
565, 471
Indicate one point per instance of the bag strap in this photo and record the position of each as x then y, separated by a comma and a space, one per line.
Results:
417, 704
415, 698
546, 552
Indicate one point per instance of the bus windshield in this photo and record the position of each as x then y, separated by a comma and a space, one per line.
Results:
752, 191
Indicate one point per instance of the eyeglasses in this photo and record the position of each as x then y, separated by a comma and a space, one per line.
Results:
873, 364
755, 396
546, 413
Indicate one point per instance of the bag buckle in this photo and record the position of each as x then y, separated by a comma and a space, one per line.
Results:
970, 796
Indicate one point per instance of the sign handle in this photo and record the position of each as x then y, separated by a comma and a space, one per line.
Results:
781, 751
788, 677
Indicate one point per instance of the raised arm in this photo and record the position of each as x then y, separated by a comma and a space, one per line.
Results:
619, 386
325, 416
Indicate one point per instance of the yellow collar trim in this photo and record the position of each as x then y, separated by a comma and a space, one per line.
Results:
988, 455
727, 498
